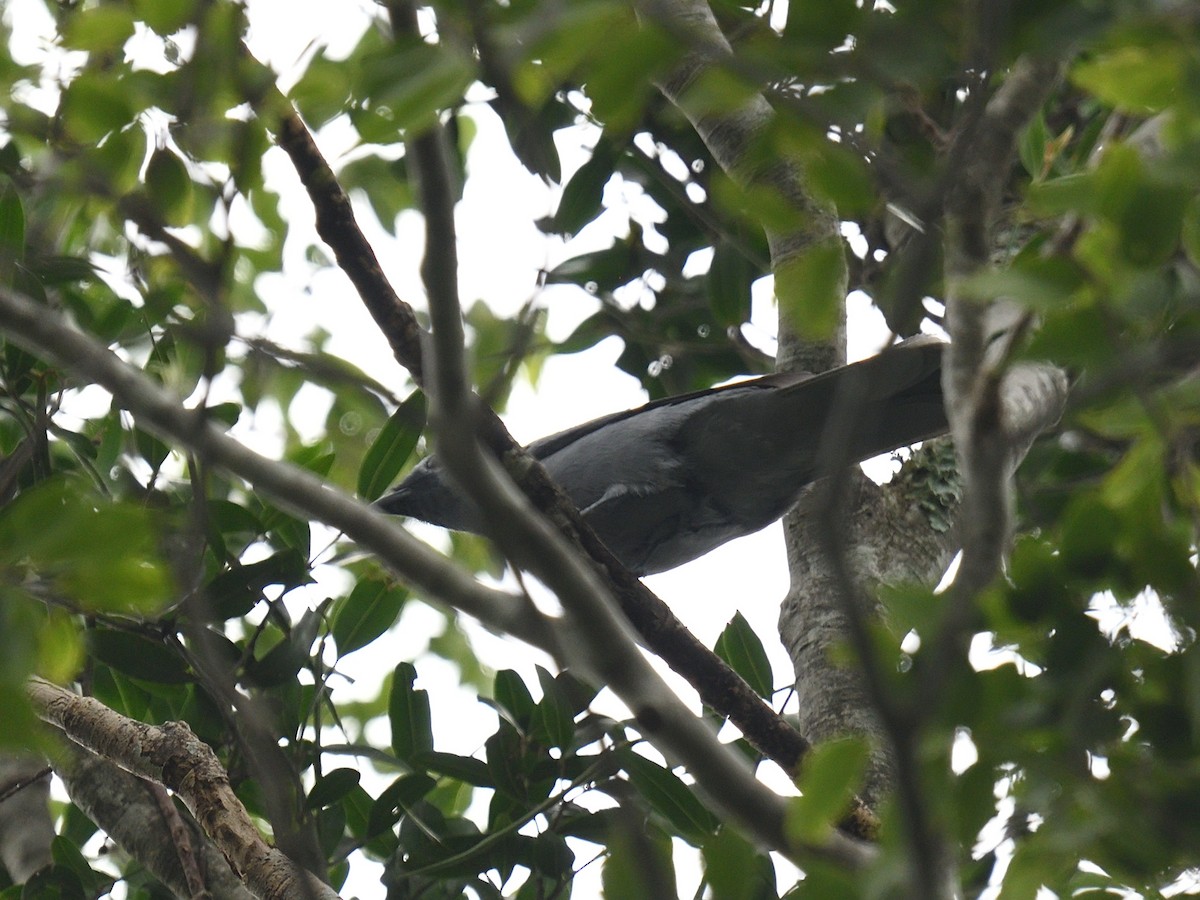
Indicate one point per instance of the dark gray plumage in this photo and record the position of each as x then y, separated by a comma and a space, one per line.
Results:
667, 482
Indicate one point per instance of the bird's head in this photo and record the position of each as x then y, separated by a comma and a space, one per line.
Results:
426, 495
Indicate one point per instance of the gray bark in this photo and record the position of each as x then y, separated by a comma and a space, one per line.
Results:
124, 808
889, 538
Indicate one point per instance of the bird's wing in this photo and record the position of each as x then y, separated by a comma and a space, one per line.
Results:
545, 446
751, 454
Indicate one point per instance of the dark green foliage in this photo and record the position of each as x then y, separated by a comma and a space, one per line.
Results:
739, 646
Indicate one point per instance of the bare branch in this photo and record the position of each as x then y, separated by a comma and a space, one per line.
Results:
337, 227
173, 756
122, 805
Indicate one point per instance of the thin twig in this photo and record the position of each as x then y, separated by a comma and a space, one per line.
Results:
17, 785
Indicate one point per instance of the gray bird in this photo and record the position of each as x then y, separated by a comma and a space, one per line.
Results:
669, 481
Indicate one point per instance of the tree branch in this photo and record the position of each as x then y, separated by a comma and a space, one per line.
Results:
122, 805
337, 227
173, 756
734, 138
601, 638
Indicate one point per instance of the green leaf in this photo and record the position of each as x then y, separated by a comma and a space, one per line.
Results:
66, 855
602, 270
508, 757
620, 84
332, 787
22, 729
396, 799
392, 447
1151, 223
587, 333
93, 105
466, 769
60, 647
1190, 231
385, 184
832, 772
671, 798
370, 610
323, 91
414, 83
12, 226
150, 448
513, 697
581, 197
10, 159
811, 287
169, 187
735, 870
1135, 78
279, 665
1039, 283
235, 591
408, 712
1032, 147
638, 863
911, 607
553, 721
119, 159
1070, 193
53, 883
137, 656
840, 175
102, 553
728, 281
316, 458
165, 17
577, 692
822, 26
101, 29
739, 646
60, 270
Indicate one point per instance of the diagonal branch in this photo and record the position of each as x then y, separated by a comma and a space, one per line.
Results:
53, 337
337, 227
122, 805
171, 755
